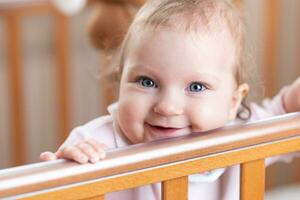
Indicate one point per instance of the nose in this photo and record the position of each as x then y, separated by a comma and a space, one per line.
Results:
169, 104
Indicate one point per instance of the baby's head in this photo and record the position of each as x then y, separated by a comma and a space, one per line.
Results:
182, 69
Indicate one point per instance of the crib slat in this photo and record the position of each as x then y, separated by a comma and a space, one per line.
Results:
270, 58
270, 72
253, 180
62, 56
238, 2
175, 189
15, 83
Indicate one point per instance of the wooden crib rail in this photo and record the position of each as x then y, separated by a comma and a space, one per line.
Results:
168, 161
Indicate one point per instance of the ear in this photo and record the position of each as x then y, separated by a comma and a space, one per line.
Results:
240, 94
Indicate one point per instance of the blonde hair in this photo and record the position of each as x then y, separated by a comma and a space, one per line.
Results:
187, 15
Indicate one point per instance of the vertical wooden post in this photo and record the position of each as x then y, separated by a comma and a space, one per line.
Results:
238, 2
253, 180
271, 32
17, 137
62, 37
270, 59
175, 189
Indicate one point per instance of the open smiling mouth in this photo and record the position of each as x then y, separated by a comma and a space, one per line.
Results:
163, 131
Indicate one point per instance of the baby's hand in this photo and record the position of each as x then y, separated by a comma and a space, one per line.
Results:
83, 152
291, 97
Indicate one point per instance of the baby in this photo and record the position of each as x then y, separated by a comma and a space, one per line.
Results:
183, 68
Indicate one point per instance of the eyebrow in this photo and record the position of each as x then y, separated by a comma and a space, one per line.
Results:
136, 68
206, 76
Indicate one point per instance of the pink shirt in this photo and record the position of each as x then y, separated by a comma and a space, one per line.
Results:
220, 184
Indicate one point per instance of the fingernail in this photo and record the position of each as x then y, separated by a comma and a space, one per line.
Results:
82, 159
94, 159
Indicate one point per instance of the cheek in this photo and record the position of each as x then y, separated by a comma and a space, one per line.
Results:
208, 116
133, 107
127, 119
132, 112
125, 114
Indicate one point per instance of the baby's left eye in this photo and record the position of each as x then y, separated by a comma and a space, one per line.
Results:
147, 82
197, 87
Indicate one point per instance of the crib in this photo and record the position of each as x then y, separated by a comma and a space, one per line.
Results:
279, 136
141, 164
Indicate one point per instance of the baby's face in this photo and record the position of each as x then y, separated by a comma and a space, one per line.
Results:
173, 84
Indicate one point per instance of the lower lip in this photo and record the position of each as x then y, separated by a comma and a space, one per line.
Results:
164, 132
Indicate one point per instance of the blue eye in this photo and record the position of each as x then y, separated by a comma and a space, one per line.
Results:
147, 82
197, 87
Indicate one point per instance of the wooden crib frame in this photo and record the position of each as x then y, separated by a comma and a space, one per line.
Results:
167, 161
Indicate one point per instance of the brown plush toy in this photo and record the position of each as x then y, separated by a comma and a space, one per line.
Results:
107, 27
109, 22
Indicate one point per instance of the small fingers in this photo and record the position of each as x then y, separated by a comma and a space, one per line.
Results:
89, 151
47, 156
98, 147
83, 152
74, 153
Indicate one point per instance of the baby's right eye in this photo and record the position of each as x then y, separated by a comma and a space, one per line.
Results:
147, 82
